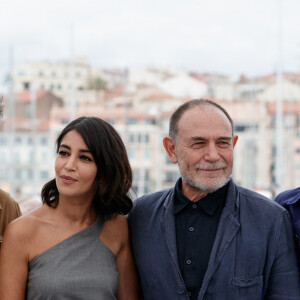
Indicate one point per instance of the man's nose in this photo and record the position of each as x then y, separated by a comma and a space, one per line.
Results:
212, 153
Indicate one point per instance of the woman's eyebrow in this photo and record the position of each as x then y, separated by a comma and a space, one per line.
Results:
69, 148
65, 146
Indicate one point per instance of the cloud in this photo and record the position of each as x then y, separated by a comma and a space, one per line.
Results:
230, 37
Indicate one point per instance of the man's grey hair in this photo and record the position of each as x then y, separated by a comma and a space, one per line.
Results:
177, 114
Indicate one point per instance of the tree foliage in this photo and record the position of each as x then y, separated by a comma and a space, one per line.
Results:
97, 84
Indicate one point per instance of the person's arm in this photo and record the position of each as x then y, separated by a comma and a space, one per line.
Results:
11, 211
284, 280
128, 288
13, 263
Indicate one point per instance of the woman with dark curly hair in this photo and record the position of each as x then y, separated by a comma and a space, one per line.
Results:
76, 246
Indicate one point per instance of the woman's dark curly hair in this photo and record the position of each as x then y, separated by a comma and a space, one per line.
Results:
114, 175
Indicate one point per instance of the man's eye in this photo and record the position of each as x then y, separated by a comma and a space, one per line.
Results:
198, 144
224, 143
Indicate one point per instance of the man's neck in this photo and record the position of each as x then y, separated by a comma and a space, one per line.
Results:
192, 193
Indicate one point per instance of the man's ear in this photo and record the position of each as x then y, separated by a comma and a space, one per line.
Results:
235, 139
170, 146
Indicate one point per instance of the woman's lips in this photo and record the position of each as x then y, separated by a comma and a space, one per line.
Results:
67, 179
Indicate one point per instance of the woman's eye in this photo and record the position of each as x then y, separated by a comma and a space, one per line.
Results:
63, 153
85, 158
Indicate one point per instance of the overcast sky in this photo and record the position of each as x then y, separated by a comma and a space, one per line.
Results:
229, 37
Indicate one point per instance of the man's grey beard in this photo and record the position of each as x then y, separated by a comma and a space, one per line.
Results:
205, 187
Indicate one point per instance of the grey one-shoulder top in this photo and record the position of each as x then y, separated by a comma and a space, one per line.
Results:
79, 267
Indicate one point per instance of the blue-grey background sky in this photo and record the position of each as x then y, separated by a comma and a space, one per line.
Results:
229, 37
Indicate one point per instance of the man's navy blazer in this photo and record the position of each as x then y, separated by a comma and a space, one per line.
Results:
253, 256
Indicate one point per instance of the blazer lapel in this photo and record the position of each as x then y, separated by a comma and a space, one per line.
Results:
227, 229
168, 222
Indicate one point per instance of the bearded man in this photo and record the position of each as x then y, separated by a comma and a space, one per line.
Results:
208, 238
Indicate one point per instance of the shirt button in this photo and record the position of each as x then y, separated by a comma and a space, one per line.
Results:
194, 206
180, 289
189, 294
188, 262
191, 228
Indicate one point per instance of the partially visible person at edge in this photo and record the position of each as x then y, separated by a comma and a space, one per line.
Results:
9, 208
208, 238
76, 246
291, 201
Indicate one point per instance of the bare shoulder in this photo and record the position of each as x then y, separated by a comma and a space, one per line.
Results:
23, 228
118, 220
118, 224
115, 233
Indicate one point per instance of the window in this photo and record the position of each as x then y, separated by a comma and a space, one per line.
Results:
29, 174
147, 154
147, 175
245, 127
44, 175
31, 157
140, 138
2, 140
4, 174
64, 121
165, 124
298, 121
150, 121
143, 138
131, 138
44, 140
130, 153
18, 174
22, 73
18, 140
171, 176
28, 111
168, 160
131, 121
26, 85
44, 156
110, 121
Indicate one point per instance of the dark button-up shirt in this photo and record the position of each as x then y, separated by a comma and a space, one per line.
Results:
196, 227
